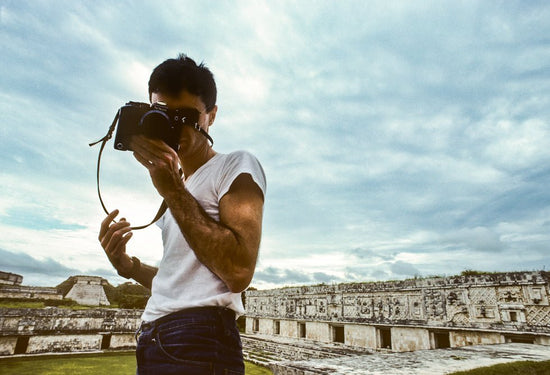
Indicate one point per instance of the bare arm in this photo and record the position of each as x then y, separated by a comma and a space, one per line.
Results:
229, 248
145, 275
113, 238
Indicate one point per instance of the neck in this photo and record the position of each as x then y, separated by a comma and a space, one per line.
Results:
190, 164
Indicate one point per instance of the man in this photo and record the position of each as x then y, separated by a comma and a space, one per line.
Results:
211, 235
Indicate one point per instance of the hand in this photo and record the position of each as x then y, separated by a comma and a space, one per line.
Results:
161, 161
113, 239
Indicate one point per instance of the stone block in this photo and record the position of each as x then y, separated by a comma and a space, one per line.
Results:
360, 335
318, 331
409, 339
63, 343
466, 338
7, 345
123, 341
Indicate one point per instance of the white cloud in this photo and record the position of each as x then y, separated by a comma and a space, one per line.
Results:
418, 132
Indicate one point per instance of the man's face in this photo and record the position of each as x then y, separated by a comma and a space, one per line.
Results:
190, 139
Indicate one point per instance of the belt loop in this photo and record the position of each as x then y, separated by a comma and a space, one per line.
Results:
224, 316
138, 332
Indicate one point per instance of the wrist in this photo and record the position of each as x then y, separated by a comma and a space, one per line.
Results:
174, 196
132, 272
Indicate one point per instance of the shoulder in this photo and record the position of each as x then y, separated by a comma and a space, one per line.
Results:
241, 156
242, 162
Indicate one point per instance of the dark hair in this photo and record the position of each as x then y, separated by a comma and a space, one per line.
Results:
182, 74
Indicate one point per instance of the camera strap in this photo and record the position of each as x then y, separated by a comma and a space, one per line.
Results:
203, 132
163, 207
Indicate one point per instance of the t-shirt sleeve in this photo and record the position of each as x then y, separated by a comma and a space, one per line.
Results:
236, 164
160, 222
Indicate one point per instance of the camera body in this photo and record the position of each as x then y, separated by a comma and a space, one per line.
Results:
153, 121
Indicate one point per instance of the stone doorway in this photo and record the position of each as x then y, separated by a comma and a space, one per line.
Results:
21, 345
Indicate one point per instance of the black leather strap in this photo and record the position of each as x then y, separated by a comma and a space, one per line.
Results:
203, 132
163, 207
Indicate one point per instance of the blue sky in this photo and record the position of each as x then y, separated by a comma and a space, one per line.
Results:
399, 138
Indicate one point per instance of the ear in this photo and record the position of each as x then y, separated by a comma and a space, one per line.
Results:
212, 115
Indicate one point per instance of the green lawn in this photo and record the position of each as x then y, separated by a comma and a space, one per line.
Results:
513, 368
85, 364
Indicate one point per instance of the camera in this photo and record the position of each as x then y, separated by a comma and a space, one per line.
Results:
153, 121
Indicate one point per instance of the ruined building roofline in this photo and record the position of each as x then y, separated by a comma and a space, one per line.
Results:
498, 278
9, 278
25, 288
87, 277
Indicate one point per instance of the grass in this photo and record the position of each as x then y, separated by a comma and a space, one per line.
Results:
117, 363
21, 305
512, 368
85, 364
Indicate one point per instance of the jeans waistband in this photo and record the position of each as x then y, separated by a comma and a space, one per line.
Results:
219, 311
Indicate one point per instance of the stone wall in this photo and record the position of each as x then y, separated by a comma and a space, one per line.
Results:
52, 320
58, 330
7, 345
29, 292
63, 343
8, 278
411, 314
123, 341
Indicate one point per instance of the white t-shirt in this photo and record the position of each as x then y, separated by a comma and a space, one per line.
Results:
182, 281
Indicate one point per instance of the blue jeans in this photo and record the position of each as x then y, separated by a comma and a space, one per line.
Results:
196, 341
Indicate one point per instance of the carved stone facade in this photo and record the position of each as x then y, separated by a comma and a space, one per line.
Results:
410, 314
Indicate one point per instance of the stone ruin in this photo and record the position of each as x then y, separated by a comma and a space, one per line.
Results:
88, 290
51, 330
8, 278
398, 316
10, 287
310, 329
84, 290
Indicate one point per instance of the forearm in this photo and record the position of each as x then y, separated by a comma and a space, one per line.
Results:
214, 244
140, 272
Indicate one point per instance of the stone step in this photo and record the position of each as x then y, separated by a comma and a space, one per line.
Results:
268, 350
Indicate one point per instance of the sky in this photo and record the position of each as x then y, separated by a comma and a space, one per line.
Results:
399, 139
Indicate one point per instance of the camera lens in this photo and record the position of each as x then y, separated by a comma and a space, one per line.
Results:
155, 124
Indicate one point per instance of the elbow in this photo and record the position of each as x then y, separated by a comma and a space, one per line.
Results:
240, 281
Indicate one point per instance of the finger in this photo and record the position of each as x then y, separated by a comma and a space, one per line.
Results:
142, 160
121, 246
146, 150
117, 246
112, 228
151, 143
115, 230
153, 149
106, 222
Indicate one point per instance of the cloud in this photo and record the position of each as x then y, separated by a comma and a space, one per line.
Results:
479, 239
403, 268
28, 266
30, 218
48, 271
272, 276
397, 139
281, 276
